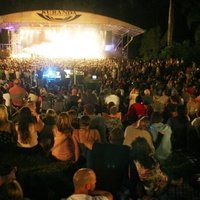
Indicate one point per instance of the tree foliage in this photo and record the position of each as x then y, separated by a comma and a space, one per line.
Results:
150, 45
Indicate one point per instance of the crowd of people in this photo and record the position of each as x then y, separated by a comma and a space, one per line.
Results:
119, 134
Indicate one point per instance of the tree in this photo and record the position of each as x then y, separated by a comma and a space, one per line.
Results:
170, 23
150, 46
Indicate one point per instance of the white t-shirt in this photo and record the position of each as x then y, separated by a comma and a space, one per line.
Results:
85, 197
6, 96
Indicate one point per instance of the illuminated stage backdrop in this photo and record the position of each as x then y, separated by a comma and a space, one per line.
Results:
68, 42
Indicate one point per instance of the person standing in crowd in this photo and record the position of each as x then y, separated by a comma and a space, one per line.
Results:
84, 181
18, 94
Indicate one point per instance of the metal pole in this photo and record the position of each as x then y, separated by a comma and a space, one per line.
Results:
74, 73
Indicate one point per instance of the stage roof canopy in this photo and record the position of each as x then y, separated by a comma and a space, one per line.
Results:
57, 18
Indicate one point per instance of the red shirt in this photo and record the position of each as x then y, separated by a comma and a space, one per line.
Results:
136, 110
17, 95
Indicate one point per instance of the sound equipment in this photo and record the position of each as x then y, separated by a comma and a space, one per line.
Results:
5, 36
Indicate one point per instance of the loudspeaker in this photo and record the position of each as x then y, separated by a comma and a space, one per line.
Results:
108, 37
5, 38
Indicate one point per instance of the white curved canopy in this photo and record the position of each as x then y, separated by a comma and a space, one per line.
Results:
69, 18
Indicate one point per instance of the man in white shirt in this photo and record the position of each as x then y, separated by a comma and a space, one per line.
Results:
84, 181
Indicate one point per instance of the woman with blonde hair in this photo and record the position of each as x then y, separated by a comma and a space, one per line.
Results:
7, 133
65, 146
132, 95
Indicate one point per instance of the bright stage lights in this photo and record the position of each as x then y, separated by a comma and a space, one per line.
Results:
76, 42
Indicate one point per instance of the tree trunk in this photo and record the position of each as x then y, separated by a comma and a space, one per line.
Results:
170, 23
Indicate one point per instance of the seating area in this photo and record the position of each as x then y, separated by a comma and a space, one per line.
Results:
119, 104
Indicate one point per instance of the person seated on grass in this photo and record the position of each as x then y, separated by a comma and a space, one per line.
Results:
27, 133
65, 147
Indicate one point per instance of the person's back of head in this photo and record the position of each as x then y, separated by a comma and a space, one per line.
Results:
116, 136
89, 109
17, 82
138, 99
147, 92
84, 121
11, 191
25, 115
64, 123
73, 113
50, 113
156, 117
113, 110
174, 99
74, 91
141, 152
84, 179
181, 110
110, 104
